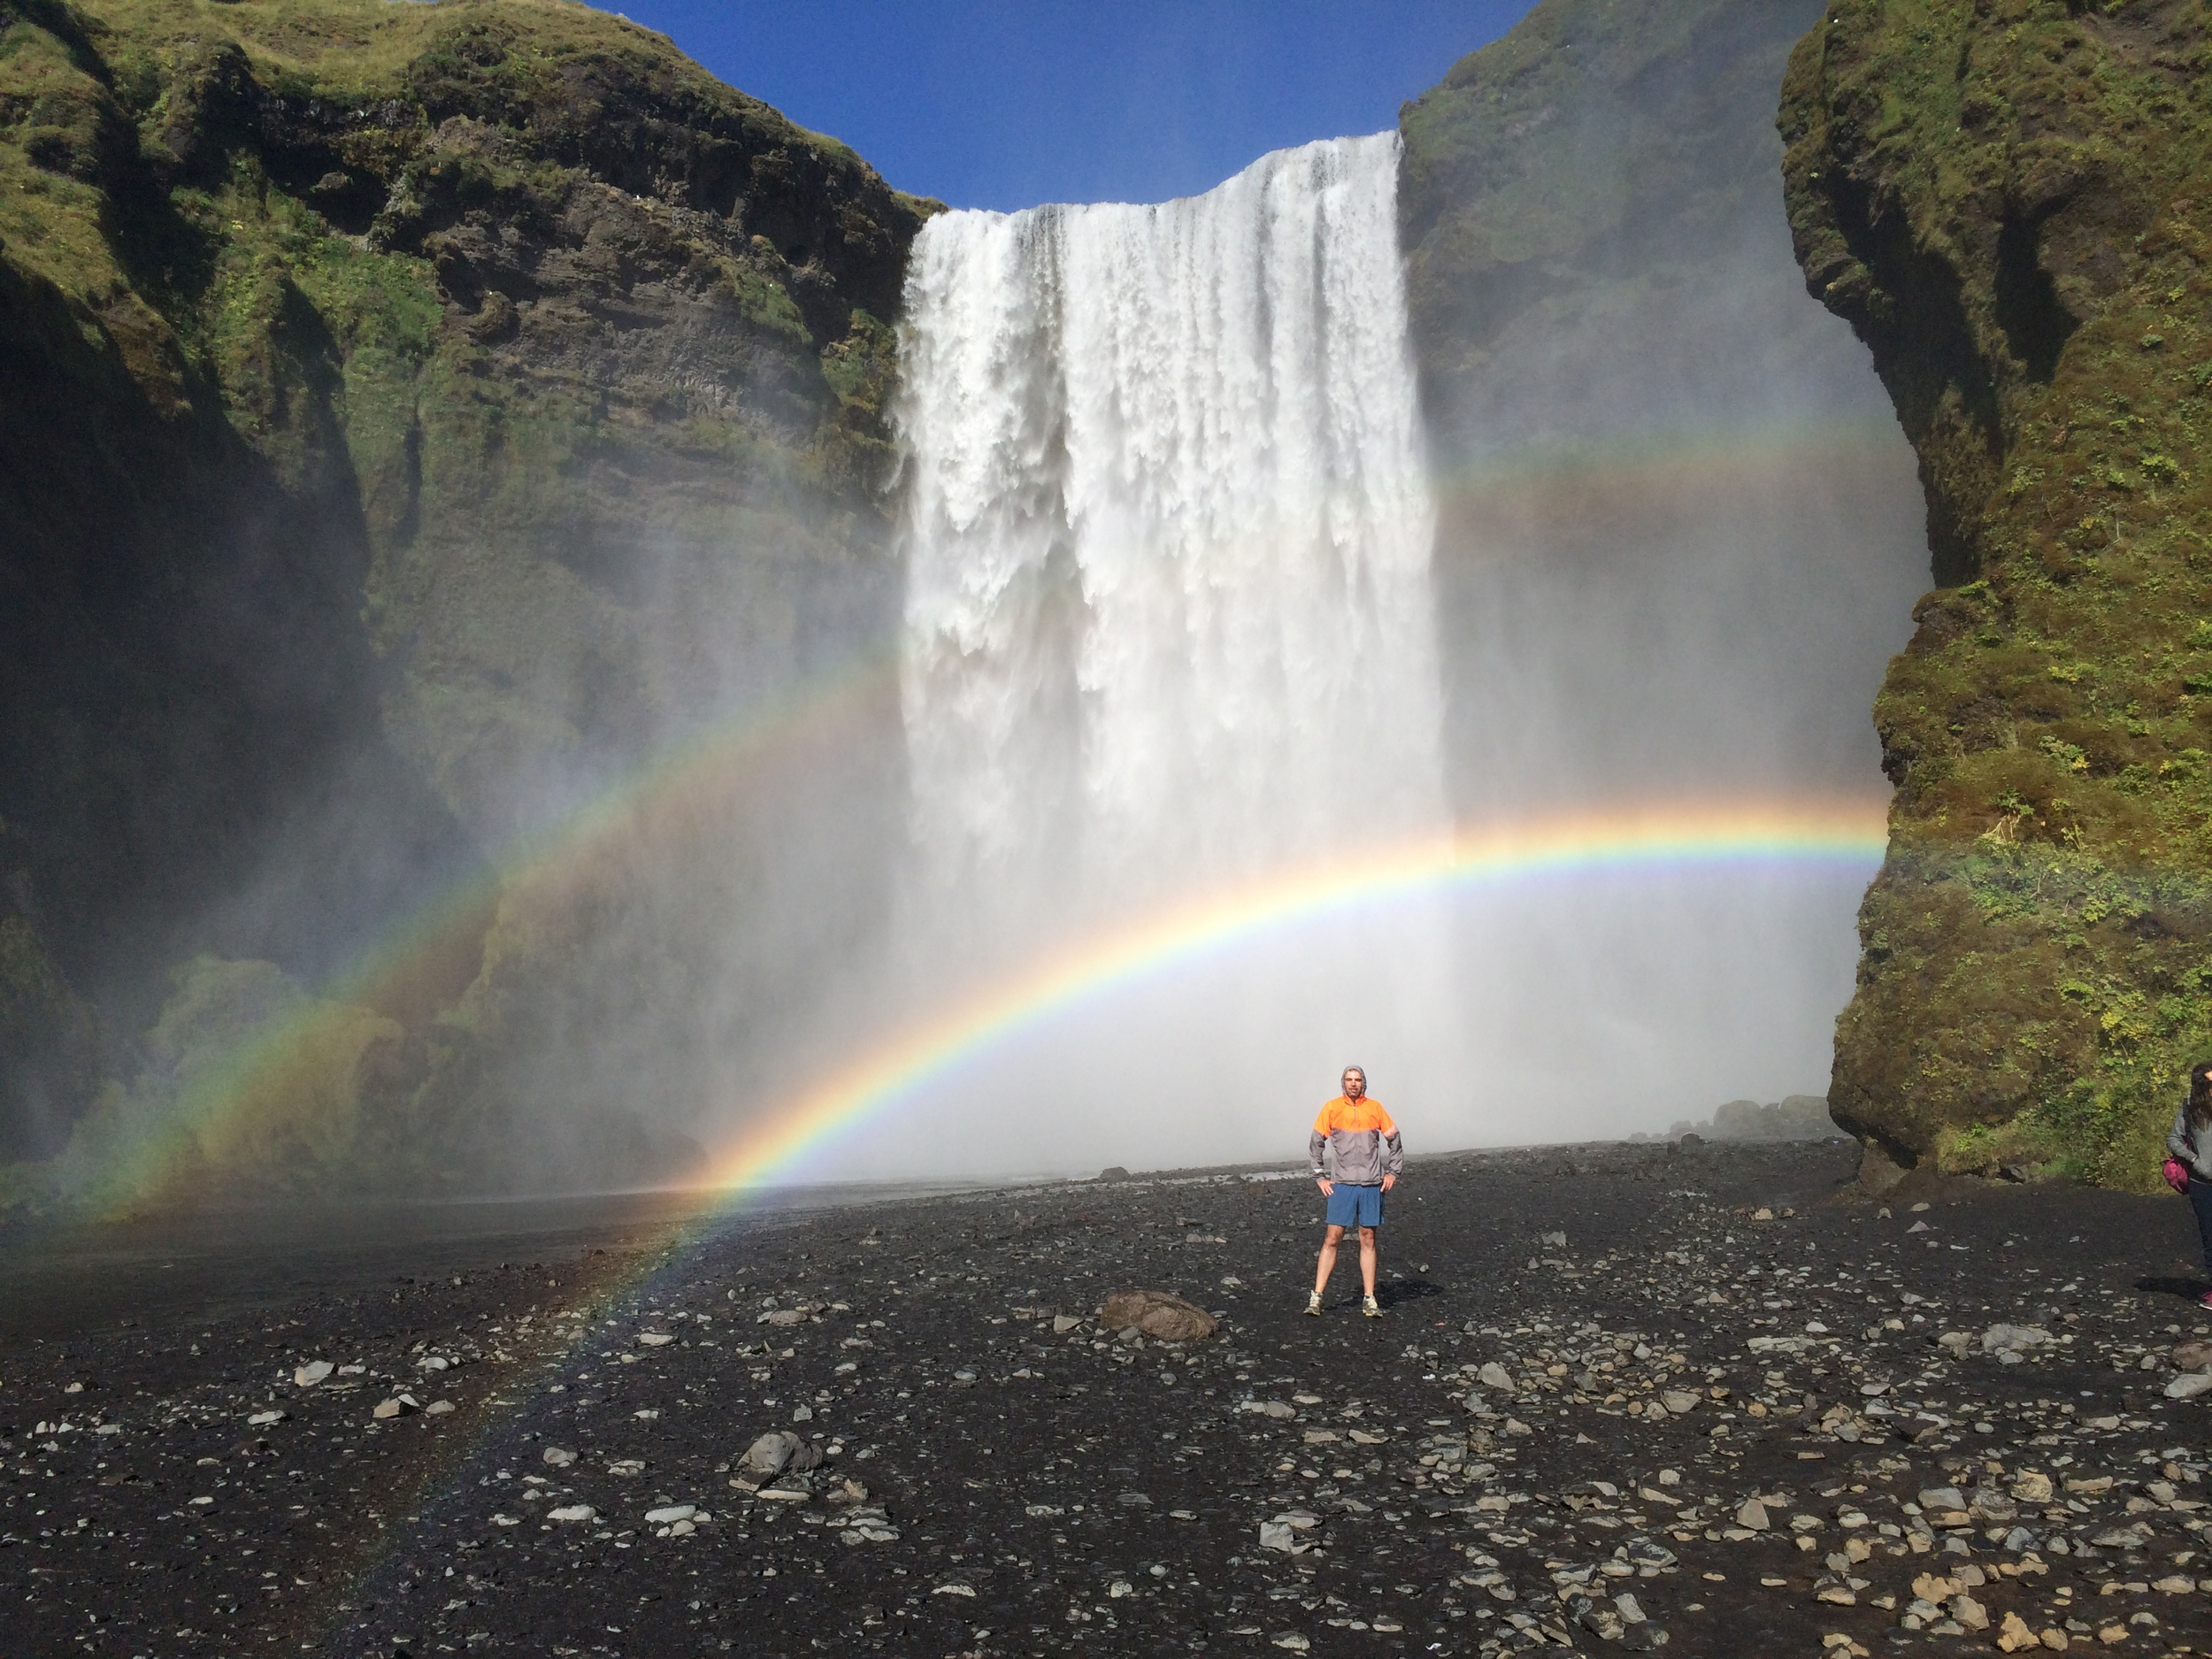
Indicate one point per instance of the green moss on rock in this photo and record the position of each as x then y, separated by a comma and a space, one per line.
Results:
2007, 202
412, 419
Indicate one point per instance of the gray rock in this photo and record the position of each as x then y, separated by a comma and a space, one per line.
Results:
2014, 1338
1159, 1314
2193, 1353
308, 1375
1493, 1375
1993, 1506
559, 1456
2188, 1385
781, 1452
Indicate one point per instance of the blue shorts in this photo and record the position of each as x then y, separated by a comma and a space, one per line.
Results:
1352, 1205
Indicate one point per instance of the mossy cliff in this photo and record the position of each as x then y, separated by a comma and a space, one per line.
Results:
2008, 201
410, 417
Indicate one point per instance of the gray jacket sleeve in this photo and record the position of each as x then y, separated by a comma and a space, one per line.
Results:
1396, 1163
2179, 1142
1315, 1143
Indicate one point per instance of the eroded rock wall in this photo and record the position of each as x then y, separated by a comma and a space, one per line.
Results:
413, 419
2007, 202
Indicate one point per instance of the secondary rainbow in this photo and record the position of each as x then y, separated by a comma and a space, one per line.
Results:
1845, 836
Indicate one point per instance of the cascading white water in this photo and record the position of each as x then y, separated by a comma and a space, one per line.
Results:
1168, 621
1168, 612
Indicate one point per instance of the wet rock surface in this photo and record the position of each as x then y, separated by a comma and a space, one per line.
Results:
1717, 1417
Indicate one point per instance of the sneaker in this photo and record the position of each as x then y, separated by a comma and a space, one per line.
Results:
1371, 1307
1313, 1305
2205, 1301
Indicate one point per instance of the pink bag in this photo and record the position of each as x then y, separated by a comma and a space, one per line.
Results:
2176, 1177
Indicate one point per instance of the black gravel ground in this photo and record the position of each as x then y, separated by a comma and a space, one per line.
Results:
1630, 1472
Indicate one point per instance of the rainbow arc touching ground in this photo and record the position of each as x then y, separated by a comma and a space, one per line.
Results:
1845, 836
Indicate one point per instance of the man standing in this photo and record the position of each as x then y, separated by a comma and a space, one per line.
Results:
1363, 1141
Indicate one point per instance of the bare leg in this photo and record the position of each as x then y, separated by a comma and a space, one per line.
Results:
1366, 1259
1334, 1236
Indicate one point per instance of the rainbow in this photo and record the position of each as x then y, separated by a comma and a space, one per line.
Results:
1846, 836
257, 1088
424, 961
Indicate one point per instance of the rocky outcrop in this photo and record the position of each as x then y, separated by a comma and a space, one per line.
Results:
2006, 203
413, 420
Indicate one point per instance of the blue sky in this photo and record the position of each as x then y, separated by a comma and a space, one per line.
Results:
1005, 103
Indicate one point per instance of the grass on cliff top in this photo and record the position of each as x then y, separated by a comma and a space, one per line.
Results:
365, 51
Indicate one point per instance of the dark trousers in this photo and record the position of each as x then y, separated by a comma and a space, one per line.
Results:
2201, 1200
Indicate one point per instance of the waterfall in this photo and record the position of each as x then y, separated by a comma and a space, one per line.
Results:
1168, 621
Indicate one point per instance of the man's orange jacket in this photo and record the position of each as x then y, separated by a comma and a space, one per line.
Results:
1360, 1137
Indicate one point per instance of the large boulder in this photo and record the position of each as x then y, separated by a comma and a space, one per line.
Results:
1158, 1313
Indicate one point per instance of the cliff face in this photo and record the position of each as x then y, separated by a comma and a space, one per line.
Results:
412, 419
2007, 202
1679, 536
1659, 461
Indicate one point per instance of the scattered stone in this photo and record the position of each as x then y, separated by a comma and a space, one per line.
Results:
571, 1513
308, 1375
670, 1514
559, 1456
